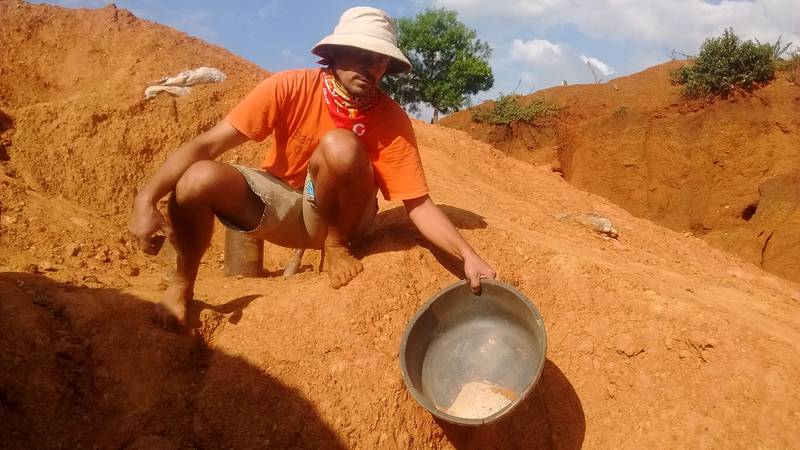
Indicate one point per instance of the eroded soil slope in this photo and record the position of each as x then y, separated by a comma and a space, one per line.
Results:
691, 165
656, 338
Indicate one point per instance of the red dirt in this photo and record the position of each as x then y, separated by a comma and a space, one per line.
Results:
656, 339
694, 165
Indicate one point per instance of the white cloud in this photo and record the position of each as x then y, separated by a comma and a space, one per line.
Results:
541, 63
604, 68
537, 51
667, 24
617, 37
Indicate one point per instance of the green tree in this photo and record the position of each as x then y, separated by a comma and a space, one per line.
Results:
449, 63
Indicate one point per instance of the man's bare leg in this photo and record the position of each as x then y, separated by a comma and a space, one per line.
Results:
343, 186
205, 189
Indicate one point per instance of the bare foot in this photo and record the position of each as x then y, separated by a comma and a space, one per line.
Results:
170, 312
342, 266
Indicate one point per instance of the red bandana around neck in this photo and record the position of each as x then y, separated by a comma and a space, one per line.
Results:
347, 113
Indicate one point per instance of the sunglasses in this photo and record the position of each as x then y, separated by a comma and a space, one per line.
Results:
362, 57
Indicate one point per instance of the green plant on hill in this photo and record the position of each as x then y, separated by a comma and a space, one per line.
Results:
508, 110
726, 62
777, 49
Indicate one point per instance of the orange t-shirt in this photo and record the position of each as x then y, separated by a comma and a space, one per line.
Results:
290, 104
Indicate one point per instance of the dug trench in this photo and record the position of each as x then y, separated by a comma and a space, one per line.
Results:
722, 169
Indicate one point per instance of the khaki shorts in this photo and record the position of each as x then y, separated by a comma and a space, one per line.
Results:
290, 217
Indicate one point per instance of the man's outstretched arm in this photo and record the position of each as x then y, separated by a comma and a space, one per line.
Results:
437, 228
146, 219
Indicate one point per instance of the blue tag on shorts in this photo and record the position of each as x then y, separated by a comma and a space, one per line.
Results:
309, 189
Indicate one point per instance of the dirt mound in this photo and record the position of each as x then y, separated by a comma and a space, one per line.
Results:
656, 339
72, 88
689, 165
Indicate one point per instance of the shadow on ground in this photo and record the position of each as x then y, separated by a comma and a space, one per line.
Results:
394, 231
84, 368
551, 417
234, 309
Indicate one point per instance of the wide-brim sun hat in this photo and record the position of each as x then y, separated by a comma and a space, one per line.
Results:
369, 29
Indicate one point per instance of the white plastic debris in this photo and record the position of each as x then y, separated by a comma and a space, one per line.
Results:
177, 91
179, 85
598, 223
201, 75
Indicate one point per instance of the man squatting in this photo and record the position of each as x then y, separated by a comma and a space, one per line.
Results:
338, 140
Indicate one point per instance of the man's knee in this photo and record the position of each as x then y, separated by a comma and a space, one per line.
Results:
341, 151
198, 180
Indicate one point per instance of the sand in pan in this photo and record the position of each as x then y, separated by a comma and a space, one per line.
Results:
477, 400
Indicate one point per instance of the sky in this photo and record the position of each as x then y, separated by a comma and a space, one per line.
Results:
536, 43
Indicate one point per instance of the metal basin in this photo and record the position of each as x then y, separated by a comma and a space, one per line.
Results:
469, 359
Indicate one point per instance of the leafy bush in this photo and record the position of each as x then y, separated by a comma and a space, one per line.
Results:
725, 63
508, 110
